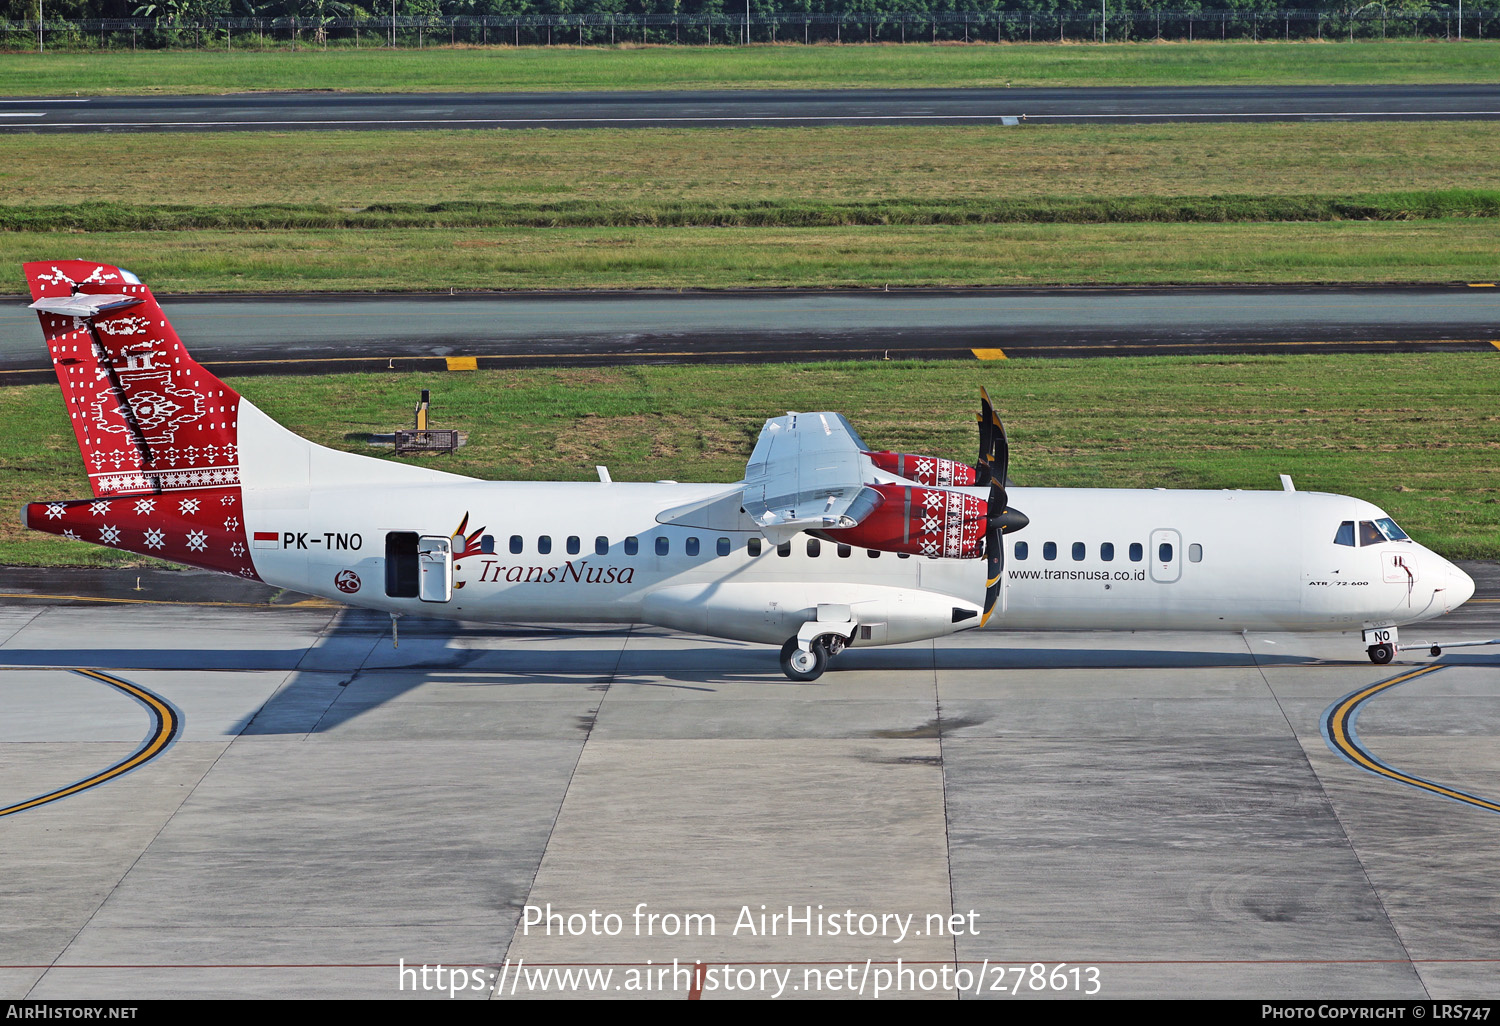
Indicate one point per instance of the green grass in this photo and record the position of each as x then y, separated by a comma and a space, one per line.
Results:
1418, 434
662, 168
1438, 250
757, 67
763, 207
1405, 206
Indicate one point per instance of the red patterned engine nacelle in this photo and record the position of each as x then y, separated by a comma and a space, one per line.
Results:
927, 470
923, 521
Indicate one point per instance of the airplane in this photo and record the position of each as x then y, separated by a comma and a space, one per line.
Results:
825, 544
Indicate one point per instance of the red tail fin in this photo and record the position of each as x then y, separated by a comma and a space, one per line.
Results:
147, 416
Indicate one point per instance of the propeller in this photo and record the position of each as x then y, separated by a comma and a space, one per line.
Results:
991, 434
992, 468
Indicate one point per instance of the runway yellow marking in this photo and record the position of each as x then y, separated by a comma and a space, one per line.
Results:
1339, 732
462, 363
989, 354
1481, 284
164, 725
230, 366
912, 354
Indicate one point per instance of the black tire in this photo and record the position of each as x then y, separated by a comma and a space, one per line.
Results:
814, 665
1381, 654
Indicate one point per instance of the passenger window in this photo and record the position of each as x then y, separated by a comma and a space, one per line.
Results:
903, 555
691, 546
1049, 550
784, 549
1136, 552
1164, 552
515, 543
1079, 551
574, 545
873, 553
632, 545
487, 545
814, 547
1369, 534
723, 548
601, 546
753, 546
1195, 553
844, 551
1022, 550
663, 546
1107, 552
1345, 535
544, 544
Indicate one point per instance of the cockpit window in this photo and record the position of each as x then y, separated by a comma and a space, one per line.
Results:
1345, 535
1373, 532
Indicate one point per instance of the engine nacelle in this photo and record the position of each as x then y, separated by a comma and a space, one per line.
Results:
922, 521
927, 470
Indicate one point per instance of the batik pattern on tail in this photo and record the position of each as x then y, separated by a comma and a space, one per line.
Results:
204, 528
147, 416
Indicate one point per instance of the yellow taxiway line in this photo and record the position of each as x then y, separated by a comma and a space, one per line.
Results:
1338, 731
164, 726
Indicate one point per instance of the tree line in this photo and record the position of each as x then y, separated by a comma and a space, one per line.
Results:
230, 23
759, 10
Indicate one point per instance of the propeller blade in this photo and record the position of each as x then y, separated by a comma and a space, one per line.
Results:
999, 520
994, 447
994, 554
986, 438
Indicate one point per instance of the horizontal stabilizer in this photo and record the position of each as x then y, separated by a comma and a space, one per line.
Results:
83, 305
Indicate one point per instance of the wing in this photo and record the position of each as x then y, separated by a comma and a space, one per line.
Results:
808, 472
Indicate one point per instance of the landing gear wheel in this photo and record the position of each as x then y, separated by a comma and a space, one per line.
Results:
804, 666
1381, 654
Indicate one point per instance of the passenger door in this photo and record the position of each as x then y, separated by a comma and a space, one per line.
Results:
435, 569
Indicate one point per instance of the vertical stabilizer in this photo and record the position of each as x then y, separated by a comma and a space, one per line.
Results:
147, 416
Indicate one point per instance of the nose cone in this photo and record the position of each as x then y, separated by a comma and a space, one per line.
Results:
1460, 588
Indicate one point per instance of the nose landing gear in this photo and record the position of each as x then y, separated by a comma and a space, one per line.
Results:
1382, 653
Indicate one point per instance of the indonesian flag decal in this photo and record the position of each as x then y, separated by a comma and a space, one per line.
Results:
267, 540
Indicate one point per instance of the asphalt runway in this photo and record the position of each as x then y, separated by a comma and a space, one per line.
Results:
328, 334
310, 111
1160, 807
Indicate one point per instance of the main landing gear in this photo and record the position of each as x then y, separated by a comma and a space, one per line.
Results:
808, 665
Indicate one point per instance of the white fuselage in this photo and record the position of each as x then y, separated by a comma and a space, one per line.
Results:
1236, 561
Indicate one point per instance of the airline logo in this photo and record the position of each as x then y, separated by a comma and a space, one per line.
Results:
267, 540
